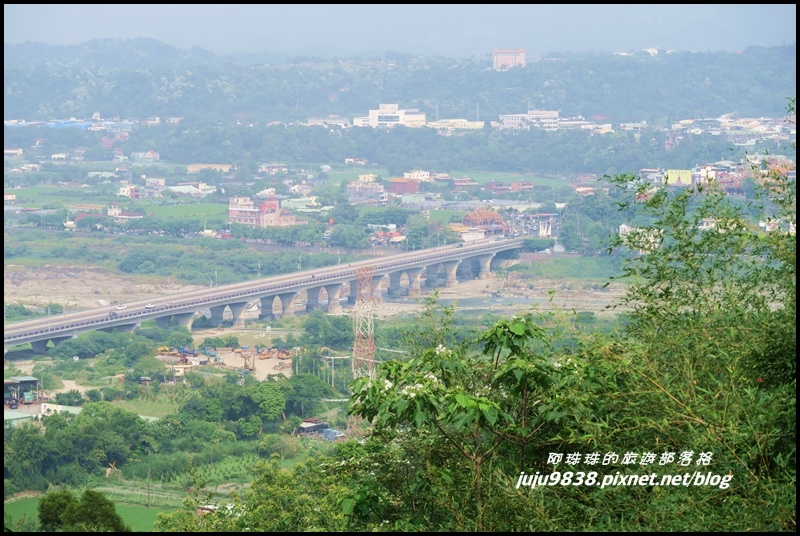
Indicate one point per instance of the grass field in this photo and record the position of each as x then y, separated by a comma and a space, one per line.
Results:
139, 518
443, 216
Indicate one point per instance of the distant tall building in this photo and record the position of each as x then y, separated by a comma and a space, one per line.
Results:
503, 60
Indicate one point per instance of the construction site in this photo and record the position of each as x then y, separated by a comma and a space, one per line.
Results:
259, 360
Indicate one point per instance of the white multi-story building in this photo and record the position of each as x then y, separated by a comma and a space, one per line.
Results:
418, 175
544, 119
389, 115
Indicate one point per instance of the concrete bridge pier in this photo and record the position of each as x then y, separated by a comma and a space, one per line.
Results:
185, 319
394, 285
312, 298
414, 281
237, 310
431, 276
486, 263
451, 267
266, 308
376, 287
352, 294
465, 272
40, 347
334, 307
216, 315
287, 303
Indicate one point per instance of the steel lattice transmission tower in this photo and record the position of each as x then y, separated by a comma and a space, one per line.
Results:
363, 324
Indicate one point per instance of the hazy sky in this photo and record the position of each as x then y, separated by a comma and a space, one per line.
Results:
432, 29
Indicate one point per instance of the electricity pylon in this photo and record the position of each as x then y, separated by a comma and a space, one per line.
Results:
363, 325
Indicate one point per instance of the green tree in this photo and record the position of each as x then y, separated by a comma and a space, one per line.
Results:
61, 511
331, 331
307, 392
151, 367
52, 506
270, 398
475, 402
568, 235
71, 398
343, 214
94, 395
348, 236
308, 498
538, 244
94, 512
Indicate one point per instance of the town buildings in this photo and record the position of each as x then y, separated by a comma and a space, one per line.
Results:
389, 115
268, 213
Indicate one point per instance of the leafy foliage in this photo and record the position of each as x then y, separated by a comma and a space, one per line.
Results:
93, 512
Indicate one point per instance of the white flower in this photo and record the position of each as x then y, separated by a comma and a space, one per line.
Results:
387, 385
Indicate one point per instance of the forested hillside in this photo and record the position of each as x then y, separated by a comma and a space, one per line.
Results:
143, 78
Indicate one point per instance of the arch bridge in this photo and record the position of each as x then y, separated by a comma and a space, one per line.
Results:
405, 274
